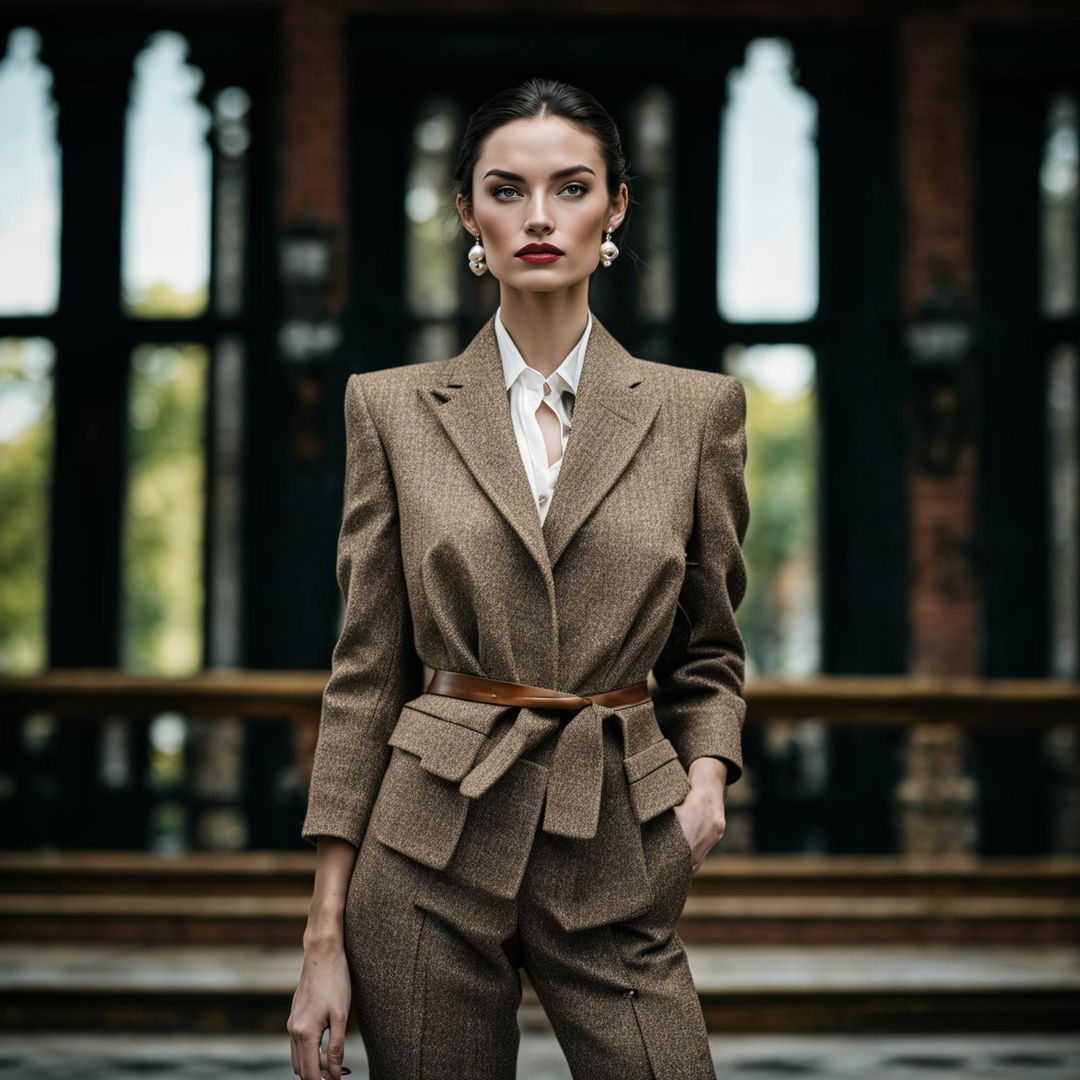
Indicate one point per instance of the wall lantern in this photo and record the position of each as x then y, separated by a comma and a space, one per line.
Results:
309, 336
939, 345
307, 332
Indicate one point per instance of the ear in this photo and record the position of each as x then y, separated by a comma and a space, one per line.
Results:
466, 215
619, 203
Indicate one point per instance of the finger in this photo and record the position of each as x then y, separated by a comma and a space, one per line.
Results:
335, 1047
309, 1059
294, 1050
324, 1070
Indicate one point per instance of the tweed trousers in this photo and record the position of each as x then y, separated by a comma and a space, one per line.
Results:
436, 962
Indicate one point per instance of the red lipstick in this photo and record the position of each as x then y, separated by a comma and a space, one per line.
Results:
539, 254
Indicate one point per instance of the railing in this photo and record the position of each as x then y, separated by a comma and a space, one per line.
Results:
102, 759
95, 758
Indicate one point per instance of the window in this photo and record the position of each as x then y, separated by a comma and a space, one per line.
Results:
768, 227
29, 285
167, 169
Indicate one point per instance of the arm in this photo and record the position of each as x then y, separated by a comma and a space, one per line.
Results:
374, 666
324, 992
700, 671
374, 670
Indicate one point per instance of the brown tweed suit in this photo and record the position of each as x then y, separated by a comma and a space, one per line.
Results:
493, 838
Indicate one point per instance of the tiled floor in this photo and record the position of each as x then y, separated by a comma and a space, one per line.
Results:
869, 1057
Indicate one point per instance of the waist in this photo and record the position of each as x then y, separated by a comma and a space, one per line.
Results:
497, 692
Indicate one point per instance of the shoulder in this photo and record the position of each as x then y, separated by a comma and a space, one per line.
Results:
385, 388
702, 393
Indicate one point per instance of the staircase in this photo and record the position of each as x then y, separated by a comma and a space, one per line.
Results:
98, 941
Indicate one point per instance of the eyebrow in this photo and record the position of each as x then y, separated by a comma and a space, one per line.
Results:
554, 176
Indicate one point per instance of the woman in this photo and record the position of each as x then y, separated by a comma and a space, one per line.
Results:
532, 807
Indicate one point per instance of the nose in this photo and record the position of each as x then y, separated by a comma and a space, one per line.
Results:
538, 220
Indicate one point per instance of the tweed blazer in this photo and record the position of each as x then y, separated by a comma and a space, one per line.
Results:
442, 561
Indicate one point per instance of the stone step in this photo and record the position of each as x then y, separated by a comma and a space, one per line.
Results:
290, 873
257, 918
743, 988
930, 919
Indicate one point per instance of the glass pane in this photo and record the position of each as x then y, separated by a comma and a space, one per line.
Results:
164, 515
1064, 476
433, 341
167, 176
768, 223
224, 590
232, 139
653, 120
435, 237
29, 181
1059, 208
26, 450
780, 615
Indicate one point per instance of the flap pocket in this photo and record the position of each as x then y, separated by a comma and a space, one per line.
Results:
445, 733
657, 781
418, 814
445, 749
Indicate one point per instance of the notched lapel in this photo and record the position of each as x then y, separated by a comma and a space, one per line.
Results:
473, 409
614, 409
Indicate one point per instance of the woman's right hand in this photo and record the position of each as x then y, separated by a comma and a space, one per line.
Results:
324, 995
322, 1000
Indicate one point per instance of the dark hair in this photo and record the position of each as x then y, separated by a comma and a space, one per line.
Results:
542, 97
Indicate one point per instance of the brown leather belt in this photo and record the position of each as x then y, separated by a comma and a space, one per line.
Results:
477, 688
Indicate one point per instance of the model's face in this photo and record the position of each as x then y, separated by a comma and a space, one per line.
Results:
541, 181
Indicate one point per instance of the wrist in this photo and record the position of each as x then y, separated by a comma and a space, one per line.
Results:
707, 780
708, 772
324, 930
320, 941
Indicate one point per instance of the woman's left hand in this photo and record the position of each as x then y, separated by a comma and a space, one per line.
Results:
701, 813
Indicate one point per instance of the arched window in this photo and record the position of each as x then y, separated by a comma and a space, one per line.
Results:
167, 174
768, 224
29, 285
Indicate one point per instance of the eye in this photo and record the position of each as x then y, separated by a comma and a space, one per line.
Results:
576, 184
505, 187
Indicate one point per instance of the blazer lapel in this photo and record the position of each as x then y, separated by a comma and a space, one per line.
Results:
614, 408
473, 408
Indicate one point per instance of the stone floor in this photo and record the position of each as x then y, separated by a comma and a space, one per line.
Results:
825, 1057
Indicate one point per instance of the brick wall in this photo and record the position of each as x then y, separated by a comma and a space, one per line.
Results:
937, 246
312, 153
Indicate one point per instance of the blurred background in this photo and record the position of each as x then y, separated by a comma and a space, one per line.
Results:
211, 214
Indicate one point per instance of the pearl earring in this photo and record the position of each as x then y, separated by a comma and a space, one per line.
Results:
608, 251
477, 256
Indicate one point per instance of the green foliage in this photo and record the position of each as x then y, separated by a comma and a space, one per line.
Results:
162, 532
163, 519
24, 493
779, 614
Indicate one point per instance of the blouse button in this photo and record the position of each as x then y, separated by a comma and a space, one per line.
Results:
543, 499
547, 389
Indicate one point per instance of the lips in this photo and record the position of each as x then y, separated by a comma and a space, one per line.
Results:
539, 254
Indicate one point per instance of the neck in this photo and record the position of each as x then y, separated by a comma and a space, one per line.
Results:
545, 326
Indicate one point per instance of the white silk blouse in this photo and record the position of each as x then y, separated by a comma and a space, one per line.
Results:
526, 388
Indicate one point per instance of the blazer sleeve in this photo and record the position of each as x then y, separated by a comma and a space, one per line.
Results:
374, 666
699, 675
